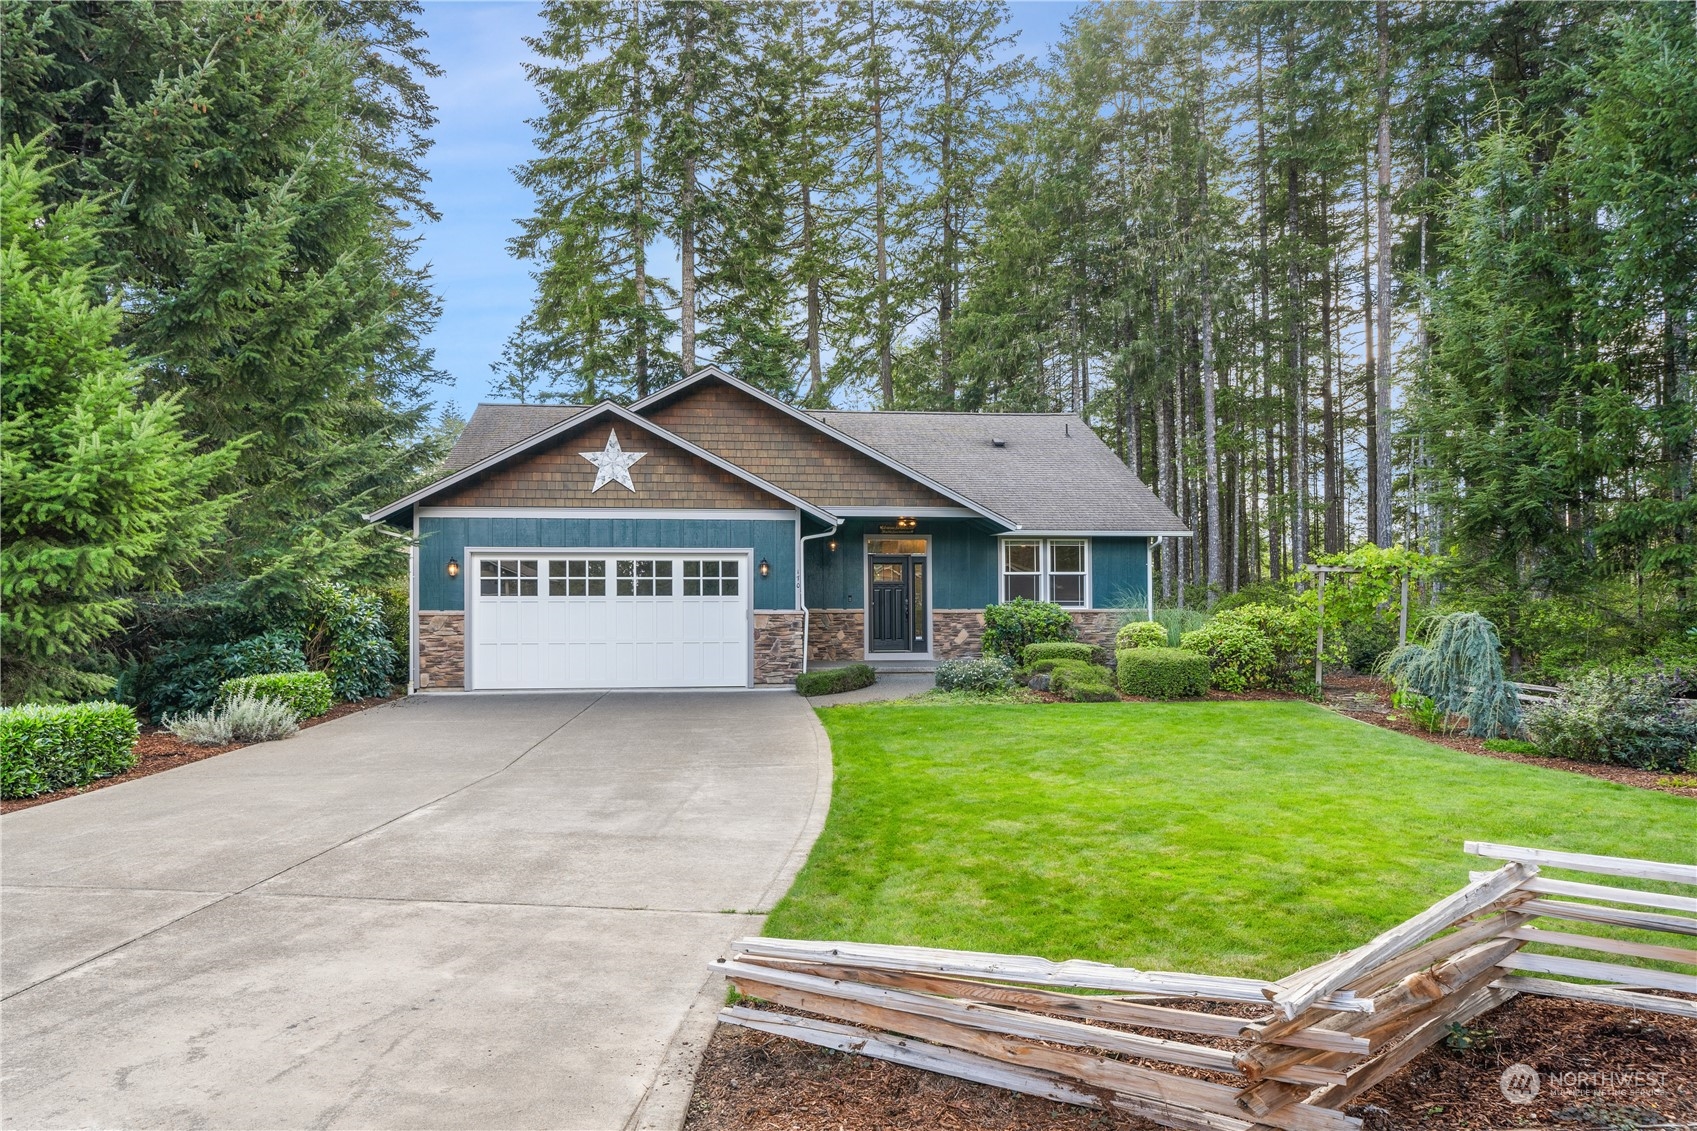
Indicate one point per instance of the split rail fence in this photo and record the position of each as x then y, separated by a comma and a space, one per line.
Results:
1327, 1034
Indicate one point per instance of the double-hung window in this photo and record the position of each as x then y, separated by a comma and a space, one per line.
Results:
1046, 569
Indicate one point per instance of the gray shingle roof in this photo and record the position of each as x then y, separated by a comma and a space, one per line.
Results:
1052, 472
496, 427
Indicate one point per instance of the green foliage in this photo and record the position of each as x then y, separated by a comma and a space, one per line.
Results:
1258, 646
1178, 621
1631, 720
104, 494
1419, 710
1459, 668
1059, 650
307, 694
46, 748
242, 716
1511, 746
835, 681
1163, 673
185, 674
1082, 682
1142, 634
359, 649
1011, 625
991, 673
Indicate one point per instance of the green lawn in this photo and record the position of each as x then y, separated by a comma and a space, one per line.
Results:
1236, 838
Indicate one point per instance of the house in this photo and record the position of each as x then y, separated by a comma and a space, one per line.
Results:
700, 536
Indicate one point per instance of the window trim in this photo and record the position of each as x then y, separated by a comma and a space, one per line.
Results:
1045, 568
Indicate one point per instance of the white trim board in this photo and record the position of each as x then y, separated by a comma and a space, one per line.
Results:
1094, 534
784, 514
905, 512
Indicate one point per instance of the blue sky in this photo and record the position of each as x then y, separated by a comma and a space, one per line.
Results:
483, 100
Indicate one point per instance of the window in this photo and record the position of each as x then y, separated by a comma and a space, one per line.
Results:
506, 577
577, 577
1046, 570
915, 546
1066, 573
710, 578
1022, 570
644, 577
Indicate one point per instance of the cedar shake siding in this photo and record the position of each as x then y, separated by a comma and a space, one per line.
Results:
557, 475
786, 452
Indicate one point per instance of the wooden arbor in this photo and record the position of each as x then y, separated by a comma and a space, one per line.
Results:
1327, 1034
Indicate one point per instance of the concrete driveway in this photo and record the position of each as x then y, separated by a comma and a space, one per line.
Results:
451, 911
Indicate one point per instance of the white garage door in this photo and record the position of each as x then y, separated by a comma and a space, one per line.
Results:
630, 619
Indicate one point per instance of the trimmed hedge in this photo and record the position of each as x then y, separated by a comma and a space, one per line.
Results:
1059, 650
307, 694
835, 681
1141, 634
1011, 625
1163, 673
47, 748
988, 674
1082, 682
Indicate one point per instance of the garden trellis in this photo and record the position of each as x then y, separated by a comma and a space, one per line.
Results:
1324, 1036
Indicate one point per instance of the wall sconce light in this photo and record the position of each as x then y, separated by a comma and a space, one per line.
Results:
833, 544
765, 568
905, 523
453, 567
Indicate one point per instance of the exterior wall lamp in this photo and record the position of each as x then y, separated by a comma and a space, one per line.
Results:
453, 567
833, 544
765, 568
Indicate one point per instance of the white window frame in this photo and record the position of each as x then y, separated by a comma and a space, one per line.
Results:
1045, 567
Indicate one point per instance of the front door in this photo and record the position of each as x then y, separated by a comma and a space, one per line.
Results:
896, 606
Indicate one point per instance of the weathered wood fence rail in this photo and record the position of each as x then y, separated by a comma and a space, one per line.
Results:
1329, 1033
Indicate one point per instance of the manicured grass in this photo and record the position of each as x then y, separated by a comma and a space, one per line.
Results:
1247, 838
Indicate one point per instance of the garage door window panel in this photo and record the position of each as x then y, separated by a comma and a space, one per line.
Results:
507, 577
577, 577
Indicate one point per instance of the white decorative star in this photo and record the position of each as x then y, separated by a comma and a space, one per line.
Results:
612, 463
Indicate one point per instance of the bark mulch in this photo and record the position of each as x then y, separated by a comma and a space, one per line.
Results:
1369, 699
158, 750
1600, 1067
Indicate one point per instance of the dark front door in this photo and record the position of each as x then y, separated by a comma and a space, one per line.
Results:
897, 604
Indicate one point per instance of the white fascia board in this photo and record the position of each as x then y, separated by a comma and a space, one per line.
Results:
582, 419
906, 512
785, 514
1095, 534
823, 428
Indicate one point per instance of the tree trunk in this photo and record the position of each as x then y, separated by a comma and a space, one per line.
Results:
1332, 535
1210, 441
1164, 468
880, 208
1382, 391
1372, 394
686, 214
639, 250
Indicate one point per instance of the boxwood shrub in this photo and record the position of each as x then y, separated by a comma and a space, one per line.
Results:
991, 673
1141, 634
1162, 673
46, 748
1059, 650
835, 681
308, 694
1011, 625
1082, 682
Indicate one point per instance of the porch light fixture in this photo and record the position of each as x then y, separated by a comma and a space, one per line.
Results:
833, 544
453, 567
765, 568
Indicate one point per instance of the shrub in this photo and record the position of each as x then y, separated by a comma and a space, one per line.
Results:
243, 717
1141, 634
988, 674
1609, 717
186, 675
47, 748
307, 694
1459, 668
1059, 650
1082, 682
835, 681
1178, 621
361, 657
1010, 626
1257, 646
1163, 673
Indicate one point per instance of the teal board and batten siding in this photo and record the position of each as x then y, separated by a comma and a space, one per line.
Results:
965, 565
443, 538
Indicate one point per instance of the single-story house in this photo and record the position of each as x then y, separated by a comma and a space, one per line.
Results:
713, 535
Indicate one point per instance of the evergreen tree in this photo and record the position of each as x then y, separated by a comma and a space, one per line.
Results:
105, 494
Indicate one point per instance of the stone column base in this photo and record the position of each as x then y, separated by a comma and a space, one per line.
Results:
836, 634
441, 650
777, 647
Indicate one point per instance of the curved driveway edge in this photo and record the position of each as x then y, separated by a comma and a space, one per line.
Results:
453, 911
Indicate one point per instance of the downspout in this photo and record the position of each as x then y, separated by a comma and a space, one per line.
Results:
801, 588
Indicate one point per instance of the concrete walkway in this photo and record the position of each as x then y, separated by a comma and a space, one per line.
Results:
468, 911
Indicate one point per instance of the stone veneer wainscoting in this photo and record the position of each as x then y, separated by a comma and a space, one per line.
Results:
959, 633
441, 650
777, 647
836, 634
